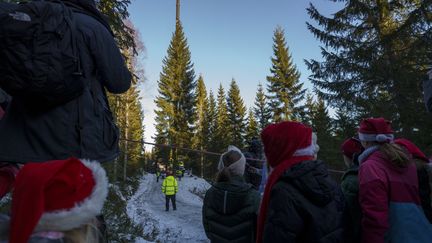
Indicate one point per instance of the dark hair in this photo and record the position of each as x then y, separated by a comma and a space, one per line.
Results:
228, 159
396, 154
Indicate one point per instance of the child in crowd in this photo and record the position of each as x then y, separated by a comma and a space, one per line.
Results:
351, 149
301, 202
424, 172
231, 205
55, 202
389, 194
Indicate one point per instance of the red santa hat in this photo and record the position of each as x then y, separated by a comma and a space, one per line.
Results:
350, 147
287, 139
375, 130
412, 149
56, 195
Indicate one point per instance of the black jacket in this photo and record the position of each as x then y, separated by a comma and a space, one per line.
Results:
350, 189
230, 212
306, 205
83, 127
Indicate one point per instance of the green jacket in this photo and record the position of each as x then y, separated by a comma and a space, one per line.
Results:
230, 211
169, 186
350, 189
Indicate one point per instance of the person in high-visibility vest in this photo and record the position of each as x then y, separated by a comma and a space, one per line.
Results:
179, 174
170, 188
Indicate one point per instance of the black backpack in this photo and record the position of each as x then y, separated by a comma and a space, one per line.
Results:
39, 58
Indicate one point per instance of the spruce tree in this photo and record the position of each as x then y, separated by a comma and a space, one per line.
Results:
345, 124
309, 110
128, 114
222, 132
322, 124
236, 116
176, 102
212, 143
261, 110
252, 130
202, 125
375, 54
285, 92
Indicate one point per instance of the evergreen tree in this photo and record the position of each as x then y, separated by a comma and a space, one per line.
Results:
176, 102
212, 143
236, 116
202, 125
128, 114
261, 109
253, 130
375, 55
345, 124
309, 111
222, 132
116, 13
322, 125
285, 92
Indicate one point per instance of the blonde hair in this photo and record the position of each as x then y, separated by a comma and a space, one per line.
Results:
396, 154
88, 233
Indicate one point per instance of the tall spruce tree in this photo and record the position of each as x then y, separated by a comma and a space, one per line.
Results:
252, 130
176, 102
261, 110
222, 132
236, 115
375, 54
212, 142
285, 92
202, 125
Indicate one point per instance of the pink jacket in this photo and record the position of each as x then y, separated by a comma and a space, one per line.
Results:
390, 202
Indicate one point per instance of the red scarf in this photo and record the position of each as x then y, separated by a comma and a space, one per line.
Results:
273, 178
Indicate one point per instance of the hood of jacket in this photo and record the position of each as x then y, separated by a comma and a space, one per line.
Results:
311, 178
229, 197
353, 170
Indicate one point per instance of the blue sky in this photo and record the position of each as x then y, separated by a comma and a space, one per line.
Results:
227, 39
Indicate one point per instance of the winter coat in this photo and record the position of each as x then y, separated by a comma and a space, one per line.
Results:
230, 211
389, 198
306, 205
424, 174
169, 186
350, 189
83, 127
253, 170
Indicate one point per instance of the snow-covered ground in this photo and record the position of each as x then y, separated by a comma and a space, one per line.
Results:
147, 207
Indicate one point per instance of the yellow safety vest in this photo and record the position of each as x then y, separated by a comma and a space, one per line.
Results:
169, 186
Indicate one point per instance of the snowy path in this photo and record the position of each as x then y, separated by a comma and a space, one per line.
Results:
147, 207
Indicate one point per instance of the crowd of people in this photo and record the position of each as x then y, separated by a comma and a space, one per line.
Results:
384, 195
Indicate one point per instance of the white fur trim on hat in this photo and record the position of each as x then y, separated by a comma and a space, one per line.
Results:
84, 211
376, 137
311, 150
237, 167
